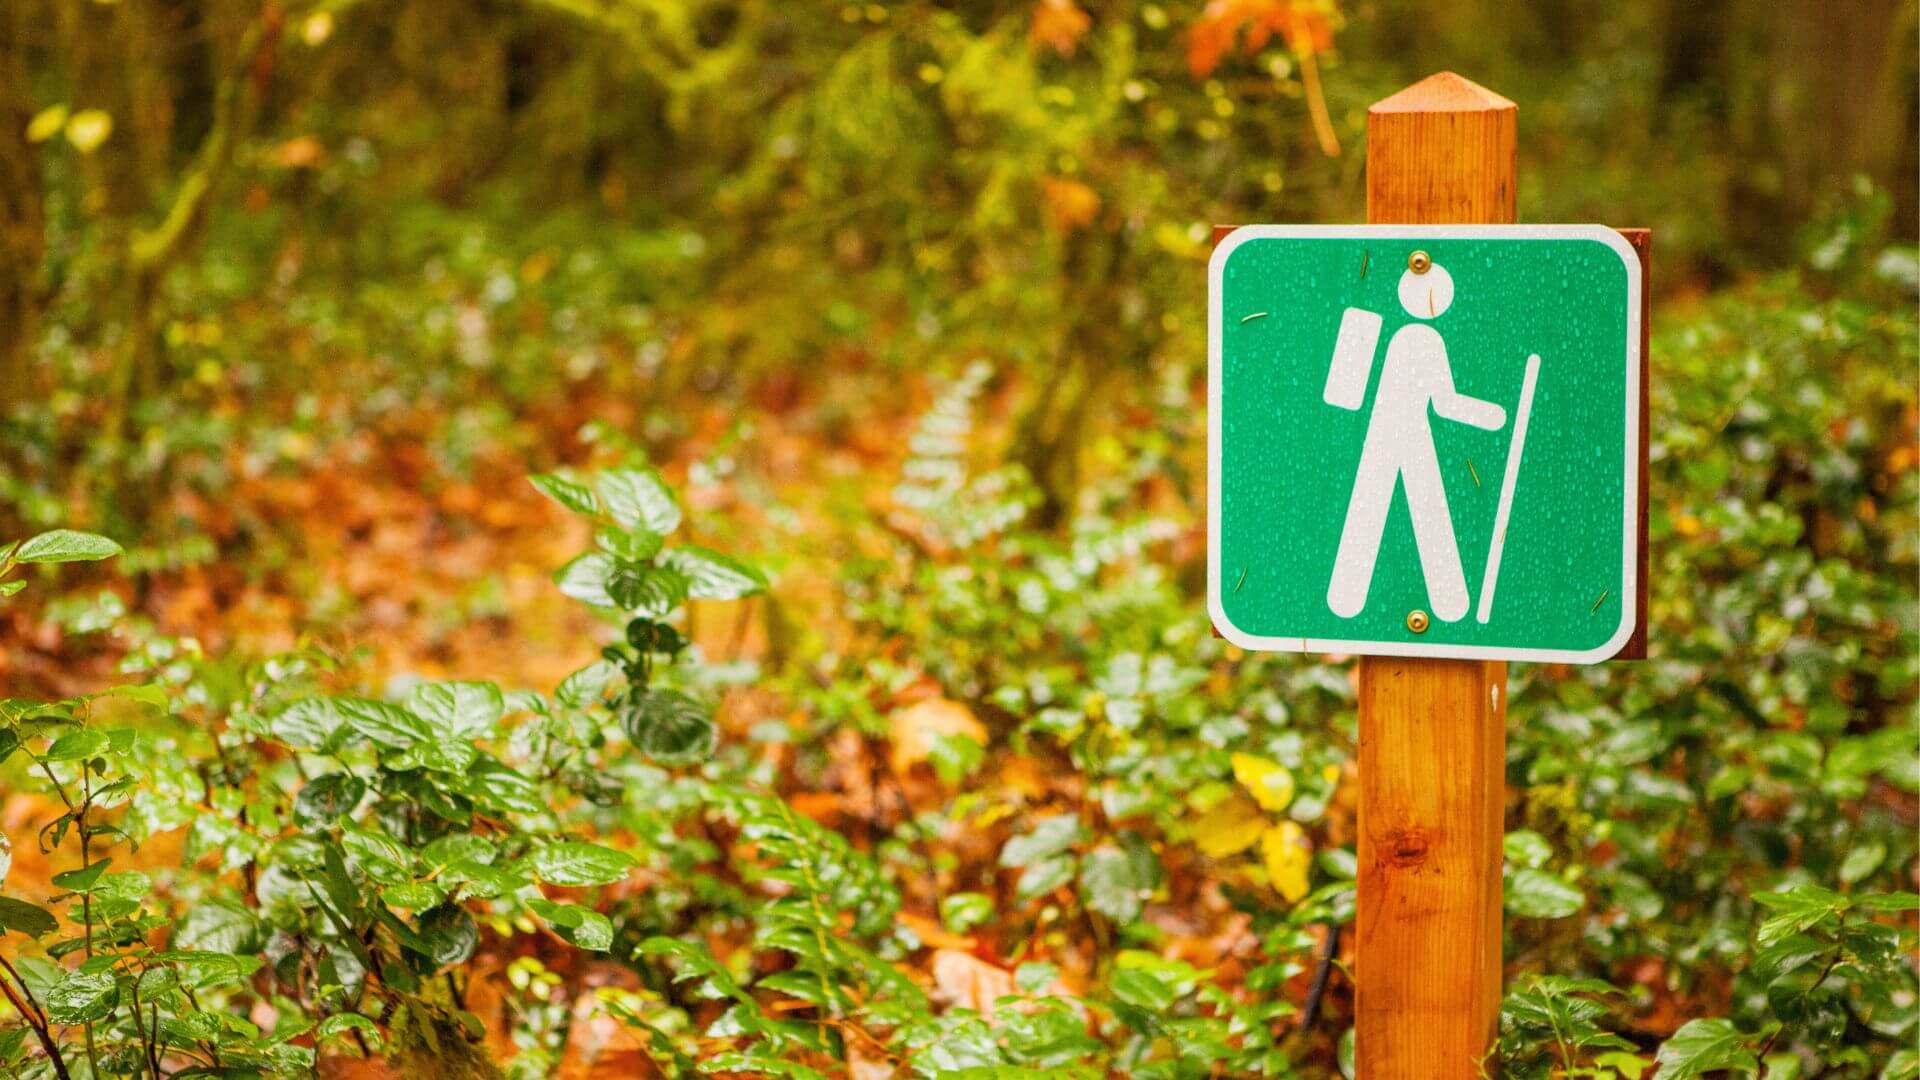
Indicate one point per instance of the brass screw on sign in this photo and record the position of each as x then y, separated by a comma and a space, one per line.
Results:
1419, 262
1417, 621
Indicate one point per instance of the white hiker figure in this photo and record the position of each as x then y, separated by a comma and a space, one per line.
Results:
1415, 377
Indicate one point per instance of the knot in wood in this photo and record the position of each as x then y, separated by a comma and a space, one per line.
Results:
1407, 846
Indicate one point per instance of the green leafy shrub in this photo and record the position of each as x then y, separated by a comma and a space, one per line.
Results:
344, 855
1706, 872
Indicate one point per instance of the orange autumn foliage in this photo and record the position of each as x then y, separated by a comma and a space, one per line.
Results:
1306, 25
1058, 25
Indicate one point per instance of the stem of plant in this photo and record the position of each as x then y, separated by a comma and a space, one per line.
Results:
39, 1025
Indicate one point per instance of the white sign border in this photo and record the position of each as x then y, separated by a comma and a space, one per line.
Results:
1630, 513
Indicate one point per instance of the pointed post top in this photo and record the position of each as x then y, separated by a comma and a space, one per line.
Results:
1444, 92
1442, 152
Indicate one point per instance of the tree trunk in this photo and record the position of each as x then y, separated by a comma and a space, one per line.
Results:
1826, 104
22, 226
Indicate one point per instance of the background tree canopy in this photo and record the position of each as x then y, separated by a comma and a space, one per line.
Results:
836, 699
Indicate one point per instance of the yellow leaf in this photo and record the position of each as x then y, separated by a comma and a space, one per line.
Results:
46, 123
1269, 782
1228, 829
317, 28
1288, 853
88, 128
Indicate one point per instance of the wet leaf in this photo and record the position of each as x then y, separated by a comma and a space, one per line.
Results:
1228, 828
1288, 856
1269, 782
575, 863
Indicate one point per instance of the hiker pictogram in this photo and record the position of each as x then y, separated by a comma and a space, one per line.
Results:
1416, 385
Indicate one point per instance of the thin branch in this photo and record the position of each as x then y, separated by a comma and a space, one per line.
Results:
40, 1025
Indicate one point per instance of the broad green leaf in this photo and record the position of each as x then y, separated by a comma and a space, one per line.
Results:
588, 685
385, 724
640, 498
29, 919
412, 895
584, 927
670, 727
481, 881
577, 863
339, 1024
218, 925
1704, 1046
82, 996
1044, 875
566, 491
1893, 901
65, 545
124, 885
1143, 989
379, 856
1036, 978
963, 911
1796, 910
649, 591
327, 798
1049, 836
309, 723
1862, 861
1537, 894
492, 784
462, 710
632, 545
450, 935
713, 576
1113, 885
453, 847
586, 579
85, 879
1729, 781
1527, 849
201, 969
77, 745
144, 693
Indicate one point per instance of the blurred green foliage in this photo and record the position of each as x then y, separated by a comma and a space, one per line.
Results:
632, 208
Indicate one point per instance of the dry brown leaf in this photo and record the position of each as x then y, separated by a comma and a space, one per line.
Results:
862, 1065
969, 982
932, 934
917, 728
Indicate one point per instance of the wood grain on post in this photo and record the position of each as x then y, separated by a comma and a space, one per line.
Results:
1432, 732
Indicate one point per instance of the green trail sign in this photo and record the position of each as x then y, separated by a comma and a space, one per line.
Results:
1424, 440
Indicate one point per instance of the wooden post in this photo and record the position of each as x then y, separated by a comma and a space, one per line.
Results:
1432, 732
